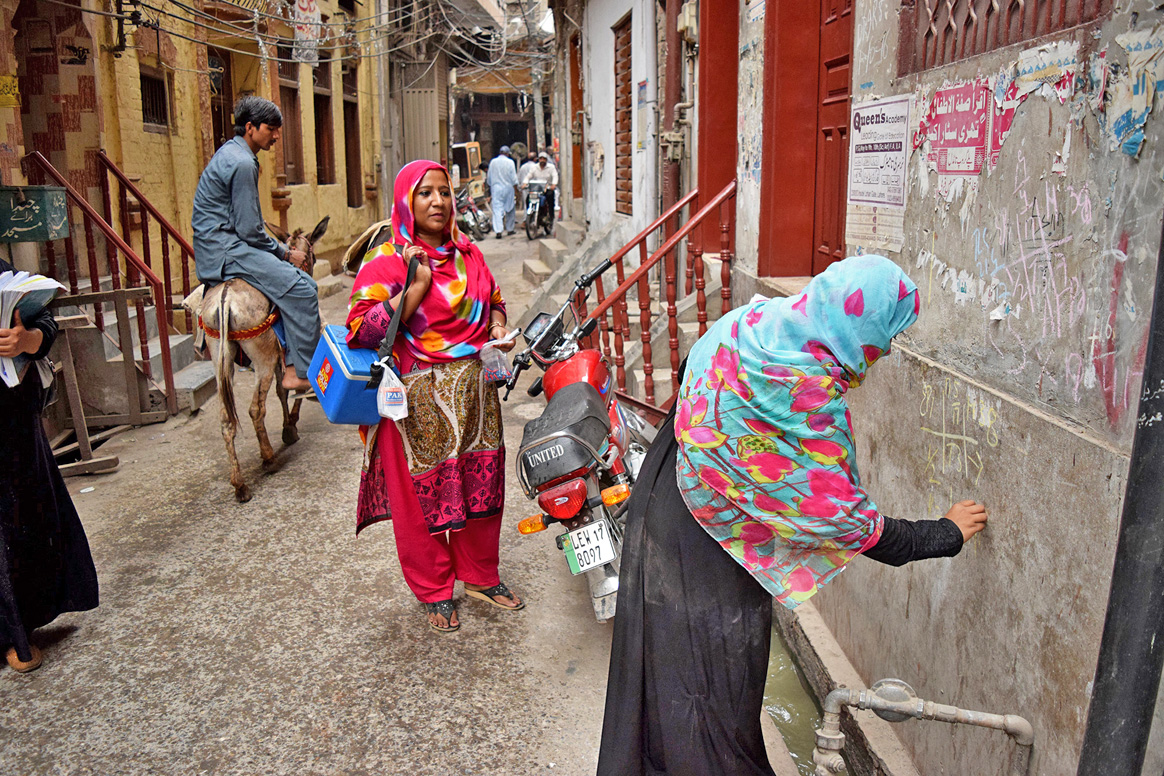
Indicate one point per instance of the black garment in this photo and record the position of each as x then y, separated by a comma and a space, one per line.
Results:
903, 541
691, 643
45, 565
692, 635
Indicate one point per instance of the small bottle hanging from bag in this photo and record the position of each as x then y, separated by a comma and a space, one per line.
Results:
391, 398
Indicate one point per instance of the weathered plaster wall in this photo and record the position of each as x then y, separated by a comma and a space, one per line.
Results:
751, 135
598, 160
1018, 386
1030, 410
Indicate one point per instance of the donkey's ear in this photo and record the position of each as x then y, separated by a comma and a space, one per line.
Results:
319, 230
280, 233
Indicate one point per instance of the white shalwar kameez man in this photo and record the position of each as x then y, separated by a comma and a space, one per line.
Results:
502, 180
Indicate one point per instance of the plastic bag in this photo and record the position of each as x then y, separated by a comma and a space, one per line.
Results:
391, 398
494, 361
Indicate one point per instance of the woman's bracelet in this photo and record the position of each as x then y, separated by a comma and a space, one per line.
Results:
495, 323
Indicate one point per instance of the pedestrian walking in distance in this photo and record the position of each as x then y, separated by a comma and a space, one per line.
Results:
440, 473
45, 565
751, 492
502, 180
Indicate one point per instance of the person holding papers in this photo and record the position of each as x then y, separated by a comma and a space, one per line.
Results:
45, 565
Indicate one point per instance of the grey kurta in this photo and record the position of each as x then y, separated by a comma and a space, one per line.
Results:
230, 242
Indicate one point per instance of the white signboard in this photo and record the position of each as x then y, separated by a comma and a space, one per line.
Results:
878, 152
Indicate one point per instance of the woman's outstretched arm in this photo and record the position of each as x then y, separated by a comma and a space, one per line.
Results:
903, 541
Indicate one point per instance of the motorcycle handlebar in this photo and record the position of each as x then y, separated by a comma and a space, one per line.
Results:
592, 275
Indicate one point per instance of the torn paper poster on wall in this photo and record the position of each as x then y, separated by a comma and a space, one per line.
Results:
308, 24
1049, 69
878, 149
1132, 94
875, 228
956, 130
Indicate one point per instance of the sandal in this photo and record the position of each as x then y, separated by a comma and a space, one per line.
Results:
445, 609
498, 589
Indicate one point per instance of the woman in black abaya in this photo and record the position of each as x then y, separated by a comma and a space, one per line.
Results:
45, 565
751, 494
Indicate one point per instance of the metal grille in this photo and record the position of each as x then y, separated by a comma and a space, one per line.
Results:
288, 69
937, 32
155, 108
623, 110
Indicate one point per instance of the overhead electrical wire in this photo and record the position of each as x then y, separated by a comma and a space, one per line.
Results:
241, 52
345, 27
226, 28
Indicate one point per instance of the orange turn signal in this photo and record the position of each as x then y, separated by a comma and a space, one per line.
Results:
616, 494
531, 525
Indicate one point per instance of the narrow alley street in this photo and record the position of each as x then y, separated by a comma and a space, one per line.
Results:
265, 638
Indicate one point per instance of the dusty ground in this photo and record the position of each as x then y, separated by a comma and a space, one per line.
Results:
265, 638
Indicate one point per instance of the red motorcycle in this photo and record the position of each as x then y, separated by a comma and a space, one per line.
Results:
580, 457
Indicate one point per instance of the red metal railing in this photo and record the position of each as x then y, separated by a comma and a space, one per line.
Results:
611, 312
137, 275
127, 189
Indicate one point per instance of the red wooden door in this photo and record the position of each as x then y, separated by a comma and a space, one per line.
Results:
578, 105
832, 137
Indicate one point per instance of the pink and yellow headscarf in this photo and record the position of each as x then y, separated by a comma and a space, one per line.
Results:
452, 321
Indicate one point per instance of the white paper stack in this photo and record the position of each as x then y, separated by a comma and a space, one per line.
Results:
29, 294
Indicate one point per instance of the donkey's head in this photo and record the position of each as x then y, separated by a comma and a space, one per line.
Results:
299, 241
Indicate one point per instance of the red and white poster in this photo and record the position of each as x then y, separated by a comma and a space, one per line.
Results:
957, 126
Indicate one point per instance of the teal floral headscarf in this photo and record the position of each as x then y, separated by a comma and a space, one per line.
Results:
766, 459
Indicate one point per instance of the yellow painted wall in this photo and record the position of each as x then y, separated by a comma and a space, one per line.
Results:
166, 167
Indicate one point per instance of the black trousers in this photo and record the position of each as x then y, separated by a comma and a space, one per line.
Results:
691, 643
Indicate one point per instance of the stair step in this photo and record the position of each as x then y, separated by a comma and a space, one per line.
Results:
535, 271
333, 284
181, 354
569, 233
195, 385
112, 338
551, 252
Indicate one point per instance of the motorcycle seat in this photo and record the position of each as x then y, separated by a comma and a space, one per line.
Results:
577, 409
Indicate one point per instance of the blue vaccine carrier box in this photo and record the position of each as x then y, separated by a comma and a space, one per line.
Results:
340, 375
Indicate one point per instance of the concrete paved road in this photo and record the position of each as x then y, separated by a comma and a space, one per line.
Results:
265, 638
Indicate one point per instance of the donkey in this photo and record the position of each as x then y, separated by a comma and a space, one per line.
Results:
239, 308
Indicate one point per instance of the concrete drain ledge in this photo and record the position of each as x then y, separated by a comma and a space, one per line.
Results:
872, 747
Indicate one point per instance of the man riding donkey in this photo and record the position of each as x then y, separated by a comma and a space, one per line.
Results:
244, 271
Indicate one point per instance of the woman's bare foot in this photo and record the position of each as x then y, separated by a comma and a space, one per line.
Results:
510, 601
969, 516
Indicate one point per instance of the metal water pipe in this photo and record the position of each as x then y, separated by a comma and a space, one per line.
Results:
895, 701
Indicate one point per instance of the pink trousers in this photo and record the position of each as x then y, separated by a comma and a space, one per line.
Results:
433, 562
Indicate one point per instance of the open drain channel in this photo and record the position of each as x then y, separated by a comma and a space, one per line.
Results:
790, 704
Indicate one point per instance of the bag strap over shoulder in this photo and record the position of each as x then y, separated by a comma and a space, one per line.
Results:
385, 351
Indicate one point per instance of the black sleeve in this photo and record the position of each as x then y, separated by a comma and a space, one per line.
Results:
48, 326
903, 541
43, 321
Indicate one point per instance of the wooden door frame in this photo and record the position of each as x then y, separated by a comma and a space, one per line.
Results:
788, 162
577, 118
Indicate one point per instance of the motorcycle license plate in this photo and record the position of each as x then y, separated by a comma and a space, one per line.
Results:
588, 547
